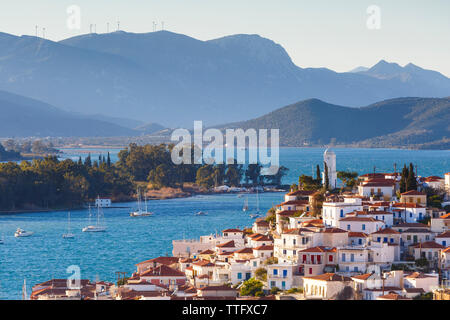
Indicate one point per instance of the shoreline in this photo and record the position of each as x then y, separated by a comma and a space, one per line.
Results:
187, 195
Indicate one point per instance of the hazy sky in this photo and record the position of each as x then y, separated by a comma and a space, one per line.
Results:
332, 34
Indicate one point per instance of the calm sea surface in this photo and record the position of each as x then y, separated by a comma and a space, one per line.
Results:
47, 255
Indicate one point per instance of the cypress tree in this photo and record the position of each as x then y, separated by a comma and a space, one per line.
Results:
318, 173
327, 179
108, 160
80, 162
405, 174
411, 182
87, 161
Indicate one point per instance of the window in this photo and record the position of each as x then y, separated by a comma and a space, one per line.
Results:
283, 284
239, 275
348, 227
330, 258
385, 239
275, 272
342, 212
355, 269
364, 227
392, 240
272, 284
352, 257
379, 239
359, 241
343, 257
294, 242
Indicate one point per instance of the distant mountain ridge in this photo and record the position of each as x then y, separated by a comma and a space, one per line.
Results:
396, 122
174, 79
25, 117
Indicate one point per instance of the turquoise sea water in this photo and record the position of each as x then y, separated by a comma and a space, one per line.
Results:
128, 240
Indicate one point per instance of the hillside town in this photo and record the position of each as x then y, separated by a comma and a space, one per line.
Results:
383, 237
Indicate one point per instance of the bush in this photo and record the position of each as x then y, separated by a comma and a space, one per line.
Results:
422, 262
295, 290
274, 290
251, 287
271, 260
259, 294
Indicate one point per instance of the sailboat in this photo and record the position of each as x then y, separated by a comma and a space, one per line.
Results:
97, 227
256, 215
68, 235
245, 208
140, 212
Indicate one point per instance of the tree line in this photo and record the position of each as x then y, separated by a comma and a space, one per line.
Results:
53, 183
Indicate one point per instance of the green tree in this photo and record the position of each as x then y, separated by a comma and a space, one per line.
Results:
318, 178
250, 287
327, 179
411, 182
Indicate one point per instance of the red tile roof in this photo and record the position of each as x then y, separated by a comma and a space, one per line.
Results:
232, 230
162, 271
428, 245
445, 234
329, 277
413, 193
228, 244
266, 248
161, 260
318, 249
386, 231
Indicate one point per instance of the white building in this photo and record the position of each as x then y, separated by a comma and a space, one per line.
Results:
329, 157
333, 211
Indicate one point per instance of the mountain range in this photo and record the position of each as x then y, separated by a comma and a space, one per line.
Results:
25, 117
172, 79
412, 122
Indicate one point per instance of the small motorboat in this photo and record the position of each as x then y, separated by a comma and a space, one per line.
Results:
22, 233
253, 216
201, 213
94, 229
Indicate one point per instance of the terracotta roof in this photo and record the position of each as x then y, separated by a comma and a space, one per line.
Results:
411, 225
362, 276
386, 231
318, 249
286, 213
294, 202
353, 234
161, 260
204, 263
413, 193
162, 271
428, 245
228, 244
445, 234
334, 230
232, 230
329, 277
418, 275
207, 251
301, 193
217, 288
244, 250
264, 248
253, 235
407, 205
261, 223
261, 238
